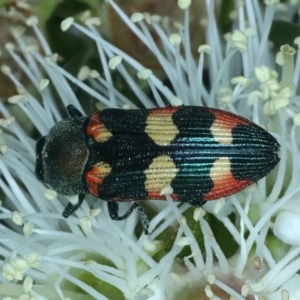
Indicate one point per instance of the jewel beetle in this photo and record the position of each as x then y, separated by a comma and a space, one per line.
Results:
197, 153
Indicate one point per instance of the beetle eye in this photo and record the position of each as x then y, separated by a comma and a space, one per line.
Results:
39, 158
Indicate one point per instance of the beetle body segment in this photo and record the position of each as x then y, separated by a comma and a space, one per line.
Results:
126, 155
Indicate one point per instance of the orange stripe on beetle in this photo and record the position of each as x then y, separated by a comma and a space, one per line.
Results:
222, 127
224, 183
97, 129
95, 176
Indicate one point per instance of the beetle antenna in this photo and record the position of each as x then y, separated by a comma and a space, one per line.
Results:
73, 111
113, 209
71, 208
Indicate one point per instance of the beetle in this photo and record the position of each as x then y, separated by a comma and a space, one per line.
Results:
196, 153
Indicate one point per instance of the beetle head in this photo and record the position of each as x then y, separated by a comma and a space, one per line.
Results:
61, 157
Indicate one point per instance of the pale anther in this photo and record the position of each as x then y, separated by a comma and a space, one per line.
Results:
66, 24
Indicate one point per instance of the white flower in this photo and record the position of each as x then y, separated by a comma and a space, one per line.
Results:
46, 251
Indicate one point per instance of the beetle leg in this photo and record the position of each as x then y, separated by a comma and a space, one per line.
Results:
113, 209
73, 111
71, 208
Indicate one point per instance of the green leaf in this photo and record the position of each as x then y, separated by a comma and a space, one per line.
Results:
225, 22
106, 289
283, 32
72, 45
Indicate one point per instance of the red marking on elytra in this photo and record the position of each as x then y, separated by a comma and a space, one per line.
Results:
93, 181
228, 120
226, 185
94, 124
155, 195
95, 127
164, 111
